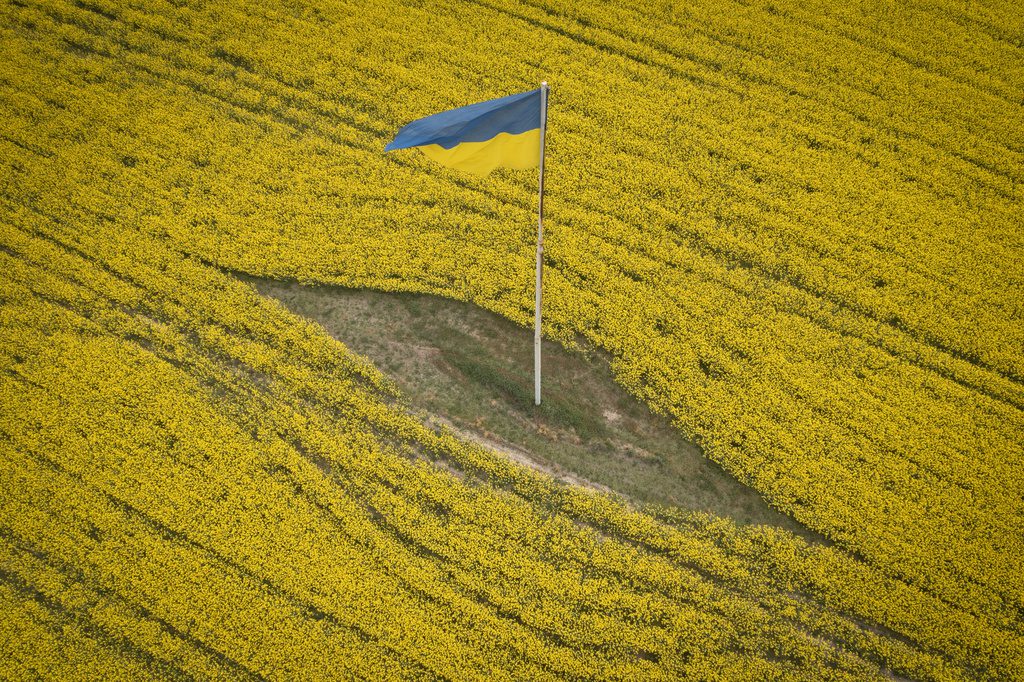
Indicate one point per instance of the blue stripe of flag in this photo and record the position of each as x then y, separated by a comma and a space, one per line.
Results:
478, 122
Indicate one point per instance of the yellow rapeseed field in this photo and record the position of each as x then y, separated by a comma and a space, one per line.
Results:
795, 226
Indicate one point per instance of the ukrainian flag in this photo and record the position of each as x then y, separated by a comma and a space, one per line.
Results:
480, 137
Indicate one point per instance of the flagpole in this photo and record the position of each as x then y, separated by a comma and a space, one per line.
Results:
540, 247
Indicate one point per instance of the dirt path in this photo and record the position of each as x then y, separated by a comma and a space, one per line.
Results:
518, 455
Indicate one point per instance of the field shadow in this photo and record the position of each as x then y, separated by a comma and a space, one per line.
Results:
472, 370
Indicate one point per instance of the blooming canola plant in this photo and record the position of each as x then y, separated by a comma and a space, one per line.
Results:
794, 228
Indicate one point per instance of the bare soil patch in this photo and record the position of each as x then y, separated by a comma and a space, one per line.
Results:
471, 370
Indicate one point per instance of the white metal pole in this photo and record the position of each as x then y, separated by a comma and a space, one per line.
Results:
540, 247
